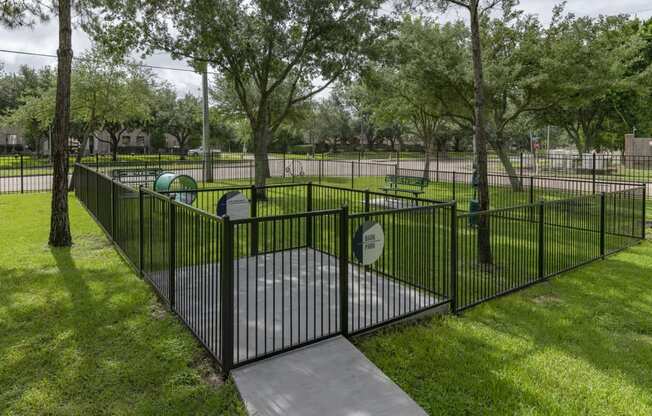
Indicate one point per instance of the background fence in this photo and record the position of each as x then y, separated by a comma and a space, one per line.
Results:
450, 176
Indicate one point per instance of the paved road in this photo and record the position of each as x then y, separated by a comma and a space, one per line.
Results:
300, 168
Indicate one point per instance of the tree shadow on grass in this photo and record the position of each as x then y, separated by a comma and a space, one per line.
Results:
83, 341
580, 344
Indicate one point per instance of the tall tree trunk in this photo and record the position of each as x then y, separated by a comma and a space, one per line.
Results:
426, 165
262, 136
114, 148
59, 220
514, 180
484, 230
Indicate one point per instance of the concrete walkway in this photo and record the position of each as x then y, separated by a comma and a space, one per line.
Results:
328, 378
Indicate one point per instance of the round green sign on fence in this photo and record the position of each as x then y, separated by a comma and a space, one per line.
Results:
183, 186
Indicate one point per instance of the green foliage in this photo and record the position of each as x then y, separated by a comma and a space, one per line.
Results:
589, 67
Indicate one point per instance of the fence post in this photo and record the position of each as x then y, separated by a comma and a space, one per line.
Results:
593, 173
453, 258
531, 189
309, 219
97, 192
366, 201
644, 213
226, 296
112, 209
97, 162
172, 254
359, 162
141, 231
352, 173
321, 167
22, 174
344, 270
454, 198
254, 224
541, 243
602, 224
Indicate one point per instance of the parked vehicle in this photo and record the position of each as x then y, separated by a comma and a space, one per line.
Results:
200, 151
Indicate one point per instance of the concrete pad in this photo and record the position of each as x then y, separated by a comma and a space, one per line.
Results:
288, 298
330, 378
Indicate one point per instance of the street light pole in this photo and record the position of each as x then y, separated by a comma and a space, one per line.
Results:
208, 165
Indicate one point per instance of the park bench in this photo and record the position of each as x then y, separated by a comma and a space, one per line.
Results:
414, 185
136, 175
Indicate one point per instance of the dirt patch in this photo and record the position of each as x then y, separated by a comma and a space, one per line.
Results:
546, 299
207, 370
157, 310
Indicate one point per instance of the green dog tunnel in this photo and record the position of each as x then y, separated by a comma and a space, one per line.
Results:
184, 187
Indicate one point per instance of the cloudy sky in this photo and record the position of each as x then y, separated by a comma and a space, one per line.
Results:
43, 38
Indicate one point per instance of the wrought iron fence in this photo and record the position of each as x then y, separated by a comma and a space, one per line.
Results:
292, 272
534, 242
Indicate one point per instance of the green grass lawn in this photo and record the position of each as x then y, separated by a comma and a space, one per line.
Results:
82, 335
580, 344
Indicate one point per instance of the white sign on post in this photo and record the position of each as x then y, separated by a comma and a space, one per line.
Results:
235, 205
368, 242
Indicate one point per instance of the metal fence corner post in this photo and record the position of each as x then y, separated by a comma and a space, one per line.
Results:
172, 254
352, 174
454, 198
541, 242
344, 271
453, 258
254, 224
22, 174
141, 231
226, 297
367, 200
309, 219
602, 225
644, 213
593, 173
112, 209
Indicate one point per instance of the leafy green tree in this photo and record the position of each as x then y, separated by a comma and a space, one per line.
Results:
276, 54
184, 121
590, 66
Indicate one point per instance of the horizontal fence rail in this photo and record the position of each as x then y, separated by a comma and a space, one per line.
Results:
297, 269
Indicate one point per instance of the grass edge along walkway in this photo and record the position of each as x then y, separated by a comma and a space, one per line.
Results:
578, 344
83, 335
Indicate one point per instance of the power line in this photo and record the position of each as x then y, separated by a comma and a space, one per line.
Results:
46, 55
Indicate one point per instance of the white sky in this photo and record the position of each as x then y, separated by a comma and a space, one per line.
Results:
43, 38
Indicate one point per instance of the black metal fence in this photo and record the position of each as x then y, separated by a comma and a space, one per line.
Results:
285, 277
534, 242
291, 273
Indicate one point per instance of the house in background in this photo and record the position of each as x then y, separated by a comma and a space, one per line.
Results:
10, 140
132, 141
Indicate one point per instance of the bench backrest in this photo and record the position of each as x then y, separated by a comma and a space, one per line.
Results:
135, 175
416, 181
